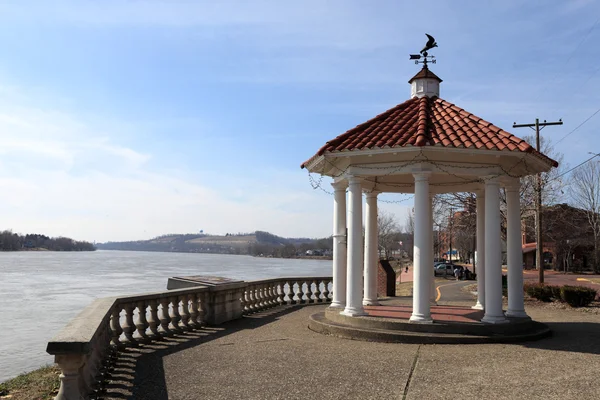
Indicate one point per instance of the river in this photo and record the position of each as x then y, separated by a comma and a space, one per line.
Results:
41, 291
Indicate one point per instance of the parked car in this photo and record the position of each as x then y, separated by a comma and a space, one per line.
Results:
443, 269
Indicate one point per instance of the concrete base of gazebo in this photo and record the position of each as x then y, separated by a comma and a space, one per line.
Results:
451, 325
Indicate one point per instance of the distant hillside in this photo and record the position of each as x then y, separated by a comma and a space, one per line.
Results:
258, 243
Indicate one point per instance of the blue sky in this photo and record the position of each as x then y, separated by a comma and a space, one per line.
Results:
129, 119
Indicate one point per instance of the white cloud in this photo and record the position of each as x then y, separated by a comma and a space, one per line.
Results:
61, 175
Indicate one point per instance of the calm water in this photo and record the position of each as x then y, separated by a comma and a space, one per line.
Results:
41, 291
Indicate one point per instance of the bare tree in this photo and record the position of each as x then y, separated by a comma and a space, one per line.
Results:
585, 194
552, 184
409, 222
388, 230
408, 234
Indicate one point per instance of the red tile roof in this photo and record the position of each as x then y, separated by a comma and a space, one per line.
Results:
427, 122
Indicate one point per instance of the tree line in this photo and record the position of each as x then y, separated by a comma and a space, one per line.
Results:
10, 241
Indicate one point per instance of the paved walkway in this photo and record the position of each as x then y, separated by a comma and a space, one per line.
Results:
274, 356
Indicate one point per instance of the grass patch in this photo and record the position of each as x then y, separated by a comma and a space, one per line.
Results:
41, 384
404, 289
595, 280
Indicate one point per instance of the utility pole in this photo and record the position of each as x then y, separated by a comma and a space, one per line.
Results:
539, 248
450, 237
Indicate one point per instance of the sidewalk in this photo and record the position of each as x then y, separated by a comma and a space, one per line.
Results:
274, 356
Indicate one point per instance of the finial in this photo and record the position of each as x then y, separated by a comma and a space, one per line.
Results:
431, 43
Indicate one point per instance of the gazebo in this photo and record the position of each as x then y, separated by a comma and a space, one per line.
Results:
426, 146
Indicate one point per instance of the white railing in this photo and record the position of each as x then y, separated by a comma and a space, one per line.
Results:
84, 346
260, 295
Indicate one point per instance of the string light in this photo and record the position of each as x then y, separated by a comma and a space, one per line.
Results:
417, 159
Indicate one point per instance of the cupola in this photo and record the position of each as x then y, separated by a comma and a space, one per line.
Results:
425, 83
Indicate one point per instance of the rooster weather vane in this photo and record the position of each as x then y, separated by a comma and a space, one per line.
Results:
431, 43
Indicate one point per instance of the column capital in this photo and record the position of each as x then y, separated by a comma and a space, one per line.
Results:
491, 180
422, 175
352, 179
372, 194
513, 186
339, 185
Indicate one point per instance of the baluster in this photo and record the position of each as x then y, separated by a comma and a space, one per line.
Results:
153, 320
201, 309
265, 295
270, 295
250, 299
115, 325
316, 292
291, 292
325, 291
165, 318
185, 313
302, 293
274, 294
244, 301
260, 305
142, 323
128, 326
175, 315
279, 293
193, 322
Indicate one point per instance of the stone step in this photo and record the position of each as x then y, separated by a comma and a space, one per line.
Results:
320, 323
515, 325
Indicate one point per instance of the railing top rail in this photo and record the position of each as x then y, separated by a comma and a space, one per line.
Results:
286, 278
162, 294
81, 330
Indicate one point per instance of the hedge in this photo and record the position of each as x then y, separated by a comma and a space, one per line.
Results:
575, 296
542, 292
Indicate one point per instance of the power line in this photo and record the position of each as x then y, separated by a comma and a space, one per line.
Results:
577, 166
578, 126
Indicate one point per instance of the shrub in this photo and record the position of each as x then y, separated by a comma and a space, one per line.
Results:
556, 291
540, 292
577, 296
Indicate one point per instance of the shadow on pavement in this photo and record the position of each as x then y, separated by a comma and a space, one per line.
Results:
577, 337
138, 372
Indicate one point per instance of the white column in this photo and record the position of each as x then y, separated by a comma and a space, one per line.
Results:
480, 263
371, 258
432, 293
493, 255
516, 306
354, 284
339, 245
421, 251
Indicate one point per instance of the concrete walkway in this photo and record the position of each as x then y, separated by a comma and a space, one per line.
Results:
274, 356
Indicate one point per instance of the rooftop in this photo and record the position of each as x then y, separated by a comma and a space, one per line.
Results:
428, 121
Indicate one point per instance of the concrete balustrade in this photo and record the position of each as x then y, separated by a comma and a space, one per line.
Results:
260, 295
83, 348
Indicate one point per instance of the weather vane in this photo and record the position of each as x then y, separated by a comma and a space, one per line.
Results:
431, 43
